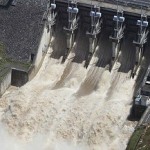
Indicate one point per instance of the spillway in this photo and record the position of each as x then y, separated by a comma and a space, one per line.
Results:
89, 120
55, 104
68, 106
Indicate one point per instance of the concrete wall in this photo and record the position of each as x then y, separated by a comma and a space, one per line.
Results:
43, 47
138, 111
6, 82
19, 77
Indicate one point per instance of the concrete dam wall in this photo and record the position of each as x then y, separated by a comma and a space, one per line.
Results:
81, 82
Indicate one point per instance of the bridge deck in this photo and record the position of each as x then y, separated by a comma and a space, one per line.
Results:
136, 3
131, 6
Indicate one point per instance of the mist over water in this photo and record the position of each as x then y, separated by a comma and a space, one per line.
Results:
69, 107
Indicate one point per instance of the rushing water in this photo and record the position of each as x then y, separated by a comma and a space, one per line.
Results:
67, 106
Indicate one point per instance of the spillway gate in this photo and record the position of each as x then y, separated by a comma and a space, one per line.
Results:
93, 18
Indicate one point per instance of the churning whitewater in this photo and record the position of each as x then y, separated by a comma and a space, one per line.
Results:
69, 107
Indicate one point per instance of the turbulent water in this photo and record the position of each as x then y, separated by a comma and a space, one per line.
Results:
69, 107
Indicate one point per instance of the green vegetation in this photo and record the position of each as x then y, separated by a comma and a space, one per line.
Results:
6, 63
144, 143
135, 138
140, 139
3, 62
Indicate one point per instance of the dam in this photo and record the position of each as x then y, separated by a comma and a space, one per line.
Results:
75, 73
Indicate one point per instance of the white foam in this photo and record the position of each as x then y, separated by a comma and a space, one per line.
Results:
68, 107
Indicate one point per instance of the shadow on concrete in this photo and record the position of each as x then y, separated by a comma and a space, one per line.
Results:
59, 44
104, 52
81, 47
136, 112
128, 54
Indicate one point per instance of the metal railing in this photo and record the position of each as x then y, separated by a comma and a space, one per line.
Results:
145, 4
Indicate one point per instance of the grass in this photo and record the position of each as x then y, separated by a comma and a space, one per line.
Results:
144, 143
140, 139
23, 65
135, 138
